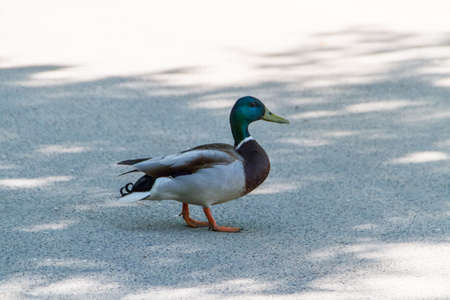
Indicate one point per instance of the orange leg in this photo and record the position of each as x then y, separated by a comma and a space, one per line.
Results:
191, 222
213, 224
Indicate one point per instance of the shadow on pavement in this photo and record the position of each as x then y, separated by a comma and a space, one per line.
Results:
359, 181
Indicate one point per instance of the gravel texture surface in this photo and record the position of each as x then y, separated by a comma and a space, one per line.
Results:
356, 204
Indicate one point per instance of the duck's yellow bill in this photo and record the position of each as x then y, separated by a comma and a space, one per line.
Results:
268, 116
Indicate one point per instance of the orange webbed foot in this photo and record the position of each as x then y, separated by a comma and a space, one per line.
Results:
213, 225
189, 221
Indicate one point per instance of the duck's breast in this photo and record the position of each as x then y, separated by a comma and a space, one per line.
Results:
256, 163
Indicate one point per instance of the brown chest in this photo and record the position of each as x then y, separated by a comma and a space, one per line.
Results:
256, 164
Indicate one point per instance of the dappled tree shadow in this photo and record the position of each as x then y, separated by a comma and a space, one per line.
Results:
364, 163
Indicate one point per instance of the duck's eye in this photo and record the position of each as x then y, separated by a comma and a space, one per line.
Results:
252, 104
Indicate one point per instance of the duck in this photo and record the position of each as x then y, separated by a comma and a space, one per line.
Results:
209, 174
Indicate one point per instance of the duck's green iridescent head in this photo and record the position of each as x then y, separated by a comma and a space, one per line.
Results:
247, 110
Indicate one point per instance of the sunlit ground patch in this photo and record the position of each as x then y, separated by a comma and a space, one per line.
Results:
43, 227
367, 107
28, 183
421, 157
396, 271
55, 149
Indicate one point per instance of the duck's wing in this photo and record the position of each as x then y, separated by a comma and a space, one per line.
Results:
186, 162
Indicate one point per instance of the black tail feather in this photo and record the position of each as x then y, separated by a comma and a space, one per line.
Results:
129, 172
132, 161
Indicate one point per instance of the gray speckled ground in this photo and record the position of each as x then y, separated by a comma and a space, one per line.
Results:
355, 207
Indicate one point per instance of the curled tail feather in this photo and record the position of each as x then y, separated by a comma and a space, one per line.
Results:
137, 191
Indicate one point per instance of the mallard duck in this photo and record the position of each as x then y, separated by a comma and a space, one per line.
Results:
208, 174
